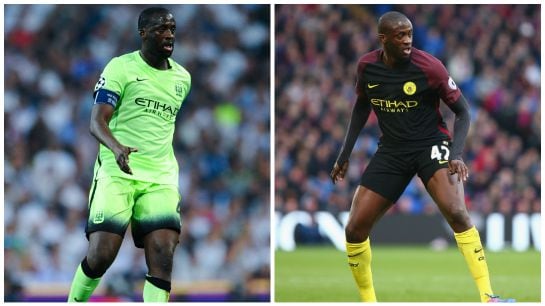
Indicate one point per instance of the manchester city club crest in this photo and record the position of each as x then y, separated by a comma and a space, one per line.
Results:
179, 90
409, 88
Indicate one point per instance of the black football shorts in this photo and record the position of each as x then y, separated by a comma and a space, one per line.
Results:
390, 171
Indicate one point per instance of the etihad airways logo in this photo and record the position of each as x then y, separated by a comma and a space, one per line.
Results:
394, 106
162, 110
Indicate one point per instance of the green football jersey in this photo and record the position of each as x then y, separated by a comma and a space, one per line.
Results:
148, 100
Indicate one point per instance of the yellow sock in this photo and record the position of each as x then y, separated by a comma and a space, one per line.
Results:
469, 243
359, 260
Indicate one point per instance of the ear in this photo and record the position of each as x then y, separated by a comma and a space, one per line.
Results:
142, 33
382, 38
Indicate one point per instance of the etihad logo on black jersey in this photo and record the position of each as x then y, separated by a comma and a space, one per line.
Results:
394, 106
162, 110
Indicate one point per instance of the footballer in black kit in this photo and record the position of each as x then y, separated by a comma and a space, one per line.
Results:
406, 100
404, 86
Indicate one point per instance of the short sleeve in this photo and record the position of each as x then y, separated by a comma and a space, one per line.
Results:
446, 87
188, 84
113, 78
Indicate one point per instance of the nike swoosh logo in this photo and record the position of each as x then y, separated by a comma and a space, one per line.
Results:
372, 86
76, 299
443, 162
140, 80
477, 250
354, 255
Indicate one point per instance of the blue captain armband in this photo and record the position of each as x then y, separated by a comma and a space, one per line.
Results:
104, 96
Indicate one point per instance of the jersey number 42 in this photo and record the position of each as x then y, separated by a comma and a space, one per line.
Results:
441, 153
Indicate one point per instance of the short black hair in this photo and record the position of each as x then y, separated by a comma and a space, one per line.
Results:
147, 15
386, 21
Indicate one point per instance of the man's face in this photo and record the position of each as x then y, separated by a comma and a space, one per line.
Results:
398, 40
160, 35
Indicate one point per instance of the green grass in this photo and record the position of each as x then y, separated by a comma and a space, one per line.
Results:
403, 274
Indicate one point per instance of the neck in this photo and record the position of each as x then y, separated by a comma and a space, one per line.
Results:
154, 61
387, 59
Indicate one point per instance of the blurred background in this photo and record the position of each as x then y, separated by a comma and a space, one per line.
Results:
493, 52
54, 55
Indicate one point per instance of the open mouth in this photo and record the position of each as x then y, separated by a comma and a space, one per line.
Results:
407, 51
168, 47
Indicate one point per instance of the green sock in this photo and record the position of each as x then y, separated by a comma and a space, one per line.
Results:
82, 286
156, 289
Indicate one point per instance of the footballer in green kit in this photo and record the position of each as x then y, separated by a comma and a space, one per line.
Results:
136, 101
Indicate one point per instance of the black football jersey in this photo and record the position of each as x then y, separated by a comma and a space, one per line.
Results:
406, 98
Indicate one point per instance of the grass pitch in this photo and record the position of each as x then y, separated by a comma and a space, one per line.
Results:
403, 274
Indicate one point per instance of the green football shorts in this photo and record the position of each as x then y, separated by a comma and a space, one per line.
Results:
114, 202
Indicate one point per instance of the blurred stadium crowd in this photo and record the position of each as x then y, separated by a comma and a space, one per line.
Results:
54, 55
491, 51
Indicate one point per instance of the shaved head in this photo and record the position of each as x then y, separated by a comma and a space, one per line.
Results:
147, 16
389, 20
395, 33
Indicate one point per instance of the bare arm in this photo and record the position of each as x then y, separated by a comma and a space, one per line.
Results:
100, 117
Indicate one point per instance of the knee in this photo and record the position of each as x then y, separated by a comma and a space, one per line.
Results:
458, 217
162, 248
355, 233
161, 255
100, 259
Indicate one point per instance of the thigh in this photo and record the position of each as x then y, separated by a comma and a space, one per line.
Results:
103, 245
160, 242
110, 206
448, 194
367, 207
388, 174
156, 207
445, 188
